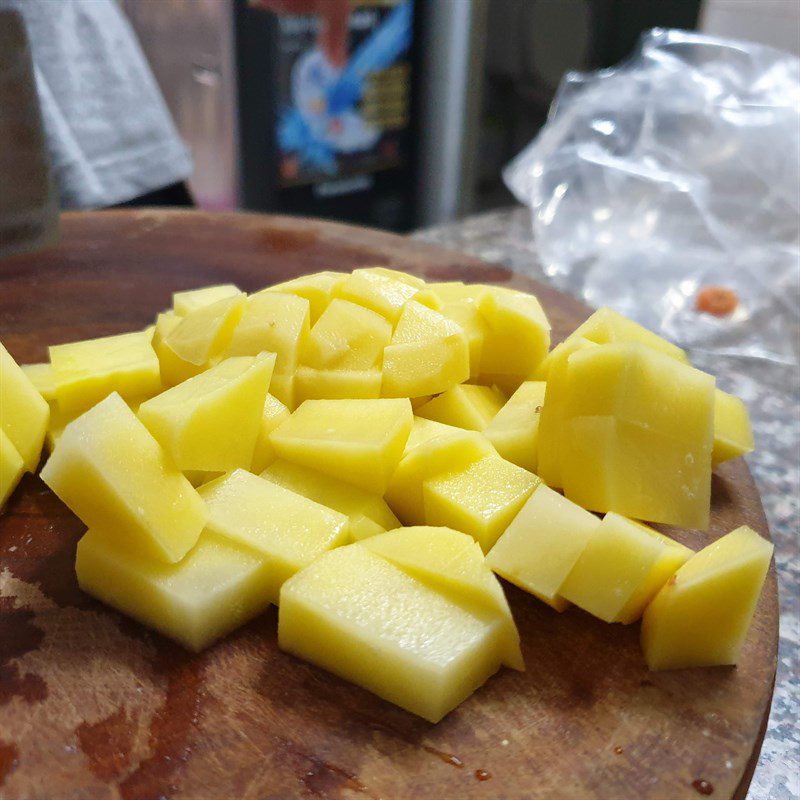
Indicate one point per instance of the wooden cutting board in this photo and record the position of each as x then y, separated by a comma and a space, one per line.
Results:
92, 705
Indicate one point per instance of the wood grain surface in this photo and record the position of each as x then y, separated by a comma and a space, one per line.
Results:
92, 705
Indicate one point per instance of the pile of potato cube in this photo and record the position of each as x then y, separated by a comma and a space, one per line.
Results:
368, 451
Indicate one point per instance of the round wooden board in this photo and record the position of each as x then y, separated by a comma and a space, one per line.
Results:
92, 705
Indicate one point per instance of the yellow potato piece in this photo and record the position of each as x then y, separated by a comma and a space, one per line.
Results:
184, 303
397, 275
318, 289
347, 336
86, 372
429, 353
464, 406
24, 413
211, 422
55, 427
173, 369
336, 384
429, 458
452, 561
551, 421
200, 339
733, 434
637, 435
286, 529
357, 441
701, 616
480, 499
366, 620
608, 327
213, 590
518, 335
367, 512
12, 468
273, 415
166, 322
621, 568
467, 315
514, 430
284, 389
542, 544
273, 322
458, 291
43, 378
381, 293
424, 430
114, 475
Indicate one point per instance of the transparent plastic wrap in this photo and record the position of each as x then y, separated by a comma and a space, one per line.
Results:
672, 172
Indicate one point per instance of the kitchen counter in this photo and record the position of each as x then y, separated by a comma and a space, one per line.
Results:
772, 393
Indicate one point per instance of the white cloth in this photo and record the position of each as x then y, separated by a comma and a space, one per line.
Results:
110, 135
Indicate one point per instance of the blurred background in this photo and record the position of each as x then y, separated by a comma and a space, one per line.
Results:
397, 114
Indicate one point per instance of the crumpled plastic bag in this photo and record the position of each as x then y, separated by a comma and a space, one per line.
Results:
676, 170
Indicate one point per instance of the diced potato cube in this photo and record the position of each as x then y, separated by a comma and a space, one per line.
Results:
464, 406
467, 315
273, 322
318, 289
86, 372
283, 387
542, 544
368, 512
428, 354
24, 413
518, 335
11, 467
184, 303
621, 568
358, 441
608, 327
453, 561
113, 474
424, 430
166, 322
366, 620
428, 459
173, 369
458, 292
211, 422
214, 589
638, 435
336, 384
480, 500
383, 294
733, 435
200, 339
43, 378
347, 336
273, 415
286, 529
397, 275
514, 430
551, 421
55, 427
701, 616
